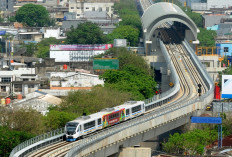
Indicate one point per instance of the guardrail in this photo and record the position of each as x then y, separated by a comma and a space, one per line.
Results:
37, 142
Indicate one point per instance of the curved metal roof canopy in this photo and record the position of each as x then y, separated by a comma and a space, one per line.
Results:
162, 12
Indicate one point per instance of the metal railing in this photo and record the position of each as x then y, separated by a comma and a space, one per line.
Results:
34, 140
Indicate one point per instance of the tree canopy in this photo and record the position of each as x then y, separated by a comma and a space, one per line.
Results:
32, 15
43, 47
134, 75
10, 139
86, 33
79, 102
206, 37
190, 143
125, 32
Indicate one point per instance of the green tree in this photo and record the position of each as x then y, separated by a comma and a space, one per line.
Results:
29, 121
43, 47
125, 32
128, 58
86, 33
88, 102
11, 19
57, 119
191, 142
32, 15
130, 79
206, 37
30, 49
132, 20
10, 139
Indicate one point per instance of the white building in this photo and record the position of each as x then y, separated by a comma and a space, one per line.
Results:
20, 81
79, 8
74, 79
53, 32
210, 4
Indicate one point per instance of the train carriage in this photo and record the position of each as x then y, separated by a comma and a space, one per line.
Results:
83, 125
107, 117
132, 108
114, 117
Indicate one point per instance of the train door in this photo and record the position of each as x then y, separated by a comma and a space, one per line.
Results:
127, 113
99, 123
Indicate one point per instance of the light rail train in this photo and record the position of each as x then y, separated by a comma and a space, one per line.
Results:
107, 117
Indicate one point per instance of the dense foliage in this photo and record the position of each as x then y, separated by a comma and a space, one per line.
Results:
134, 75
125, 32
130, 26
11, 138
33, 15
43, 47
79, 102
86, 33
207, 37
196, 17
190, 143
130, 79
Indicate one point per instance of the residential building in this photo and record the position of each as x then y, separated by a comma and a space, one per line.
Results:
20, 81
209, 4
62, 80
7, 5
79, 7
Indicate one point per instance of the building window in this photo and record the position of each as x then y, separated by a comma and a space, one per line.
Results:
72, 7
100, 9
226, 49
93, 8
32, 79
25, 79
18, 88
78, 7
6, 79
3, 88
87, 8
78, 14
31, 86
107, 9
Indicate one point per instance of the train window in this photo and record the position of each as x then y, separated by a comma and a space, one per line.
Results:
99, 121
127, 112
89, 125
80, 128
112, 116
136, 108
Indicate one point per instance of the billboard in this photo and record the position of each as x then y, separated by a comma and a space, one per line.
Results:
74, 56
99, 64
209, 120
93, 47
226, 86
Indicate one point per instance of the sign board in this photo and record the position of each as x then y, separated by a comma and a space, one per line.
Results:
226, 86
209, 120
99, 64
229, 58
120, 43
93, 47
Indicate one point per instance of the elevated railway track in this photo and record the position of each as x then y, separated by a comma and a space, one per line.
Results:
183, 99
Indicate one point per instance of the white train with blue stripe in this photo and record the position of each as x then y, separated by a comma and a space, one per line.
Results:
86, 124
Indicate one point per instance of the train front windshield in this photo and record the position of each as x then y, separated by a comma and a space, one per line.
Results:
71, 128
